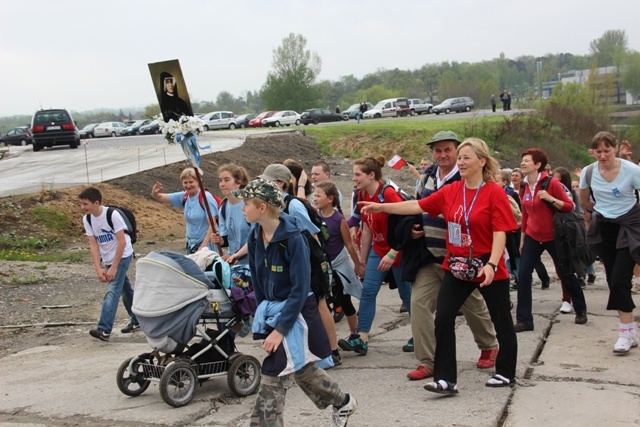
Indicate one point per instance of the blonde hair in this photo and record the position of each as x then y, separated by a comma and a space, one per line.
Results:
480, 148
188, 173
272, 211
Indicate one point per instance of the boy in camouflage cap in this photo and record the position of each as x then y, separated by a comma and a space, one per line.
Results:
287, 317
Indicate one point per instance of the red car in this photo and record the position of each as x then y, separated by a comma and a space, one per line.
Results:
256, 122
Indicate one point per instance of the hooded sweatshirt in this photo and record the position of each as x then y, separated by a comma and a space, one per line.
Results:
277, 279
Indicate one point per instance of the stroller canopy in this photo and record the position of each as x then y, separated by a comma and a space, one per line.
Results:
166, 282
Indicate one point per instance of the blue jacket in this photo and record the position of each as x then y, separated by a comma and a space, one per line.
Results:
276, 279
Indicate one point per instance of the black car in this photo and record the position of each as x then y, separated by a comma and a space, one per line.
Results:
320, 115
242, 121
150, 128
134, 128
17, 136
53, 127
87, 131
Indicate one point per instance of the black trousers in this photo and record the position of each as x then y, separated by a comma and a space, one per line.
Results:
618, 266
453, 293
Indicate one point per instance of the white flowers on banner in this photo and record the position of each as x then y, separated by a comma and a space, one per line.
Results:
185, 127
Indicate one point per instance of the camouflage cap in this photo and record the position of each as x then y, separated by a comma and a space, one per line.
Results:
444, 135
265, 190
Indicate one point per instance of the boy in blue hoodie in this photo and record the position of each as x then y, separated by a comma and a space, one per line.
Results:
287, 317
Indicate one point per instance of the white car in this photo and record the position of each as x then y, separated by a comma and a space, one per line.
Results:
111, 129
282, 118
219, 120
384, 108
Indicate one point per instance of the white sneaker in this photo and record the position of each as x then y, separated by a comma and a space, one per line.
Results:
625, 343
565, 307
636, 288
341, 415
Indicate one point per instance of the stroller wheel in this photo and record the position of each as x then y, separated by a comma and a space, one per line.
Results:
178, 384
244, 375
131, 379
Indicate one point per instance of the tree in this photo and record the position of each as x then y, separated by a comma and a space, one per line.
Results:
631, 74
291, 83
610, 48
151, 110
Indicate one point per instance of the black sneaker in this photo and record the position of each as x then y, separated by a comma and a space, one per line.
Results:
131, 327
403, 308
354, 343
545, 285
335, 356
591, 279
100, 334
408, 347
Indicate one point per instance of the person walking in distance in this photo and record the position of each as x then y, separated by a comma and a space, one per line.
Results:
112, 245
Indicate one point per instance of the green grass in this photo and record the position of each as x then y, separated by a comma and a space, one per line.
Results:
24, 255
50, 218
406, 137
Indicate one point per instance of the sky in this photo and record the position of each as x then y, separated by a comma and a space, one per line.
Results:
86, 54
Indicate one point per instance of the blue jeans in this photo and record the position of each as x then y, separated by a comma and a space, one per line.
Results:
119, 285
371, 286
531, 251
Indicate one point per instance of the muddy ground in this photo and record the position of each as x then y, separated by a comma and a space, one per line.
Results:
36, 297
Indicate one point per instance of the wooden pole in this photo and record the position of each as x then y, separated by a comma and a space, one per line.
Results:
212, 222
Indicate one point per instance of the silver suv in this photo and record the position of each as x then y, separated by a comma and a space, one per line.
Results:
454, 104
53, 127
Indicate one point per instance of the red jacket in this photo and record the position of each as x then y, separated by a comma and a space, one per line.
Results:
537, 215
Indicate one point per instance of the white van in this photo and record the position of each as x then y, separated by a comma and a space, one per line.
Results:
391, 107
219, 120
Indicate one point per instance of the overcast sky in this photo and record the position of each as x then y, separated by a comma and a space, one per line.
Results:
85, 54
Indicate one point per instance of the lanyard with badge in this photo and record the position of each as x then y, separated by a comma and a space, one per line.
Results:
455, 229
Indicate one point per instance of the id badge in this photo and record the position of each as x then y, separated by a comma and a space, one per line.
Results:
616, 192
455, 234
527, 197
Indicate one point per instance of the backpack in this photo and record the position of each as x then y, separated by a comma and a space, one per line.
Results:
320, 265
314, 216
388, 183
221, 273
570, 237
128, 217
201, 199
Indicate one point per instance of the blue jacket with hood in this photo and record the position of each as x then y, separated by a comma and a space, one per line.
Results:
276, 279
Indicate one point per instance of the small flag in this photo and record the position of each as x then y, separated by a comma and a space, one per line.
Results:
397, 162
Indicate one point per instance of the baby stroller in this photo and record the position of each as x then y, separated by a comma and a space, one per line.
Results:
175, 302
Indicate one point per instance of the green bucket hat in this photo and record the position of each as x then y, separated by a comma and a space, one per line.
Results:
444, 135
265, 190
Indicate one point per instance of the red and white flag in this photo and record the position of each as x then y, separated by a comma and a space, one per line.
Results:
397, 162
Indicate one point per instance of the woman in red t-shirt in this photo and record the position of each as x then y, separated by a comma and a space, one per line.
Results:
479, 215
375, 253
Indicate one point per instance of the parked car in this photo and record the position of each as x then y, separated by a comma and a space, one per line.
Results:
219, 120
320, 115
454, 104
354, 109
87, 131
384, 108
282, 118
134, 128
153, 127
111, 129
419, 106
256, 122
242, 121
17, 136
53, 127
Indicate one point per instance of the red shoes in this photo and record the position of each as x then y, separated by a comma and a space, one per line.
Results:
487, 359
420, 373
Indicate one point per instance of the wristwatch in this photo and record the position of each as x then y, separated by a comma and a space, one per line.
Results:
492, 265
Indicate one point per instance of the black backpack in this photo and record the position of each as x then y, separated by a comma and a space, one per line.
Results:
319, 260
128, 217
